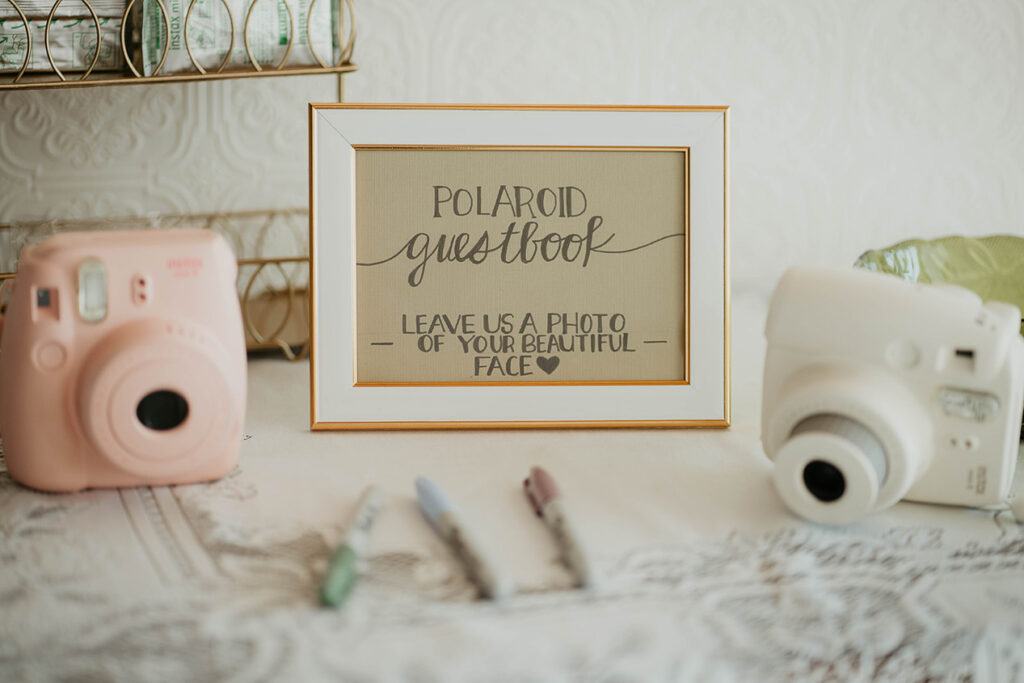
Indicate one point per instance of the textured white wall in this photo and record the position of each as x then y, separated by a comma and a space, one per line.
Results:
855, 122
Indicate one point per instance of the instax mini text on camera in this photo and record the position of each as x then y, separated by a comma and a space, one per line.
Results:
122, 361
876, 389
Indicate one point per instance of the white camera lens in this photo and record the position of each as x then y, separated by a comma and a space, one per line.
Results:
831, 469
824, 480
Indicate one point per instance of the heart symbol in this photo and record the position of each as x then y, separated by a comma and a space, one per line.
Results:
548, 365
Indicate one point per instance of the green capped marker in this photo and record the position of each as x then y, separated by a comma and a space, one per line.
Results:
342, 571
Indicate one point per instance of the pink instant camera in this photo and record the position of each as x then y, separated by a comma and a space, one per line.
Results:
122, 361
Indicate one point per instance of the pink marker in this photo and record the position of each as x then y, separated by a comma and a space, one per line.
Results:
547, 501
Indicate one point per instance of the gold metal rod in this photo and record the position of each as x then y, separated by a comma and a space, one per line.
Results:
31, 83
245, 37
124, 42
46, 40
291, 34
345, 53
265, 261
241, 262
290, 294
309, 34
231, 43
168, 218
188, 47
127, 56
28, 40
96, 52
167, 40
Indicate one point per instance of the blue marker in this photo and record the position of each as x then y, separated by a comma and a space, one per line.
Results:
450, 525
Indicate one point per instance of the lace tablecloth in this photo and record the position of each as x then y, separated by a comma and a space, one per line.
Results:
706, 576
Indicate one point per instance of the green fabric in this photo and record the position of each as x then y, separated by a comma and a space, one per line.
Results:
992, 267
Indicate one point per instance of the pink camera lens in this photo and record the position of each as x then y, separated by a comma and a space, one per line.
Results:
162, 410
155, 399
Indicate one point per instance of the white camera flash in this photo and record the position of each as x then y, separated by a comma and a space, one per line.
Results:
976, 406
92, 291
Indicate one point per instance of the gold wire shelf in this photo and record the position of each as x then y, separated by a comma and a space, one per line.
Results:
276, 318
31, 82
273, 290
86, 45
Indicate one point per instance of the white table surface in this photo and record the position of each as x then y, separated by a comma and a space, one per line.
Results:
706, 576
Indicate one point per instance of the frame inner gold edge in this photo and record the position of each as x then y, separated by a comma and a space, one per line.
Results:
685, 150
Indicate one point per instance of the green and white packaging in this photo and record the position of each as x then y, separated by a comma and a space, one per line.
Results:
72, 44
210, 31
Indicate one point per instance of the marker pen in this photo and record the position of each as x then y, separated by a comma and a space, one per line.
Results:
548, 503
451, 526
342, 571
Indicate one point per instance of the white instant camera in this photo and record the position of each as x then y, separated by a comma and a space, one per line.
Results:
876, 389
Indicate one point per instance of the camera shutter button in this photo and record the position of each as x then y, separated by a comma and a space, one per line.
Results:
50, 355
958, 293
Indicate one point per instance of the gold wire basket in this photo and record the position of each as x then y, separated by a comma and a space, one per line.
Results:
50, 75
273, 290
276, 316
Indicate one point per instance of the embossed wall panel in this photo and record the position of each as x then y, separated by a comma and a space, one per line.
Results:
854, 123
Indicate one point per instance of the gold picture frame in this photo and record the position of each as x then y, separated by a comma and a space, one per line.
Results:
325, 417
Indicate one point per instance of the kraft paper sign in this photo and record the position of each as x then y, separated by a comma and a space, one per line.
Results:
516, 266
505, 265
